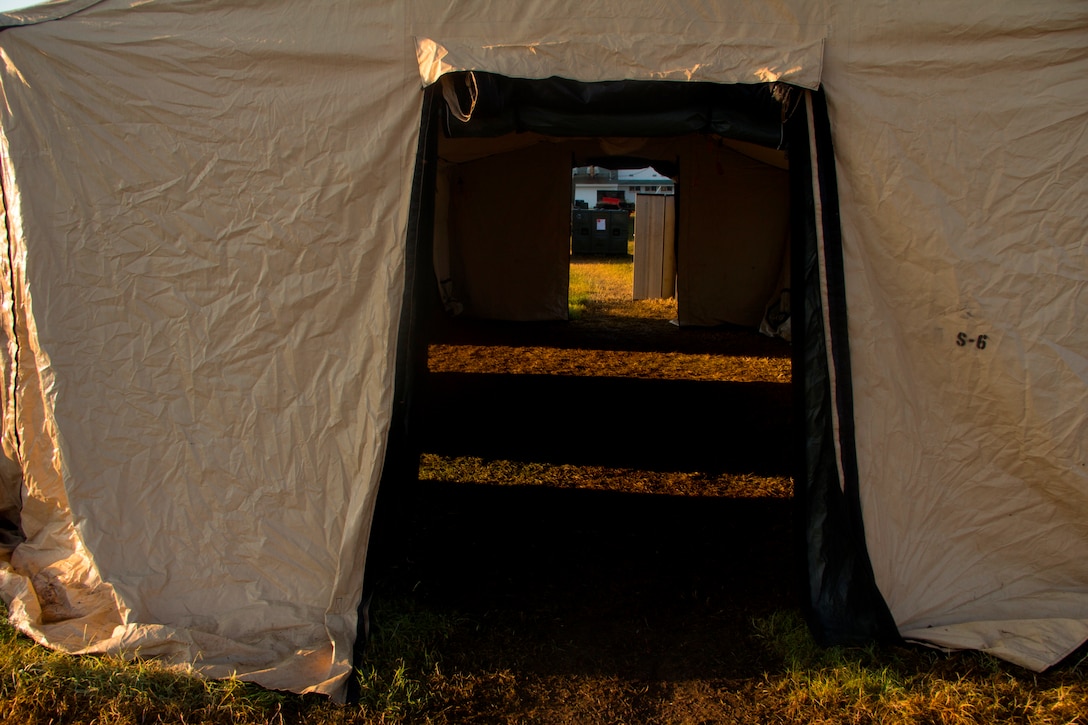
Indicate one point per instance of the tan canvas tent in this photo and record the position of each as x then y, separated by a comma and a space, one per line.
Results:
208, 211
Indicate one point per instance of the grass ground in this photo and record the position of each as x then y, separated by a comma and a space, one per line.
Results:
534, 589
409, 679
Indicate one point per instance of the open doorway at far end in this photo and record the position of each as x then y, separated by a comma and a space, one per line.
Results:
623, 241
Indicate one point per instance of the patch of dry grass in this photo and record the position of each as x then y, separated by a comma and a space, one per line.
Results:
517, 360
606, 278
900, 685
603, 287
397, 683
469, 469
41, 686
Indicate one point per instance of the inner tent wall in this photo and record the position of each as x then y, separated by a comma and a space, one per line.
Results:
502, 238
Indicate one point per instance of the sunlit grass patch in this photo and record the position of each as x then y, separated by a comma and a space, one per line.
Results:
876, 684
603, 278
516, 360
38, 685
396, 679
472, 469
580, 292
603, 286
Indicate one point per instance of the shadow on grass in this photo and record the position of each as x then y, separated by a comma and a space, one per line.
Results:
597, 332
574, 582
650, 424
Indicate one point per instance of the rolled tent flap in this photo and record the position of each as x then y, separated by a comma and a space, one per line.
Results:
482, 105
639, 43
709, 59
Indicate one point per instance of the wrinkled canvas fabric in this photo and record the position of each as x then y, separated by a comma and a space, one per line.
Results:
206, 205
965, 274
207, 212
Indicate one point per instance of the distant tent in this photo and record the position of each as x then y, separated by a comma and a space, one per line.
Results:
220, 219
